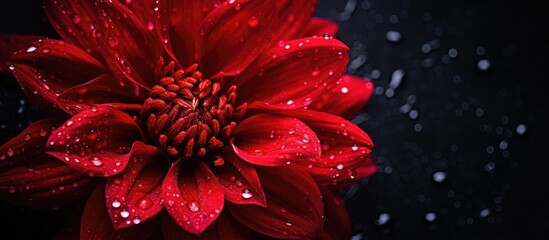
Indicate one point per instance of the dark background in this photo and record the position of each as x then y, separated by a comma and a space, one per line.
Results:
450, 114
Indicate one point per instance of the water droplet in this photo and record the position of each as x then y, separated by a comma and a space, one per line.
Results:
76, 19
150, 25
521, 129
315, 72
306, 138
69, 123
439, 177
96, 160
354, 147
11, 67
136, 220
30, 48
383, 219
193, 206
124, 213
10, 152
253, 21
115, 203
287, 46
344, 90
339, 166
430, 217
288, 223
290, 102
326, 36
46, 50
145, 203
393, 36
231, 1
27, 137
246, 193
484, 65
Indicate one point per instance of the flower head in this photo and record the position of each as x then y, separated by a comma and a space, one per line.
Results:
218, 119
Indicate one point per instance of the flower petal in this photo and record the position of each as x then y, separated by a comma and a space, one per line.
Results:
48, 67
192, 195
10, 43
95, 223
75, 22
321, 26
178, 23
294, 74
351, 95
225, 227
121, 37
31, 178
103, 89
345, 147
235, 33
135, 195
96, 141
293, 16
239, 180
273, 140
336, 223
294, 205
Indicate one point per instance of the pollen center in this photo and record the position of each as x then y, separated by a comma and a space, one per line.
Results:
188, 115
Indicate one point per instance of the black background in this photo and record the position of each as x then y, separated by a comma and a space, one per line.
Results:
465, 126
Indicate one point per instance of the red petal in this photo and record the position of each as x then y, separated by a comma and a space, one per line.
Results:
103, 89
345, 147
135, 195
336, 223
178, 22
96, 141
273, 140
143, 10
31, 178
235, 33
295, 73
321, 26
293, 16
225, 227
75, 22
351, 95
192, 195
239, 180
48, 67
11, 43
121, 37
294, 205
95, 223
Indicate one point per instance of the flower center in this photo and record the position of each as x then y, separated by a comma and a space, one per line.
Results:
188, 115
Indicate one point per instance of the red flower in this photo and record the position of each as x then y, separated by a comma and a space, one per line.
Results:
218, 119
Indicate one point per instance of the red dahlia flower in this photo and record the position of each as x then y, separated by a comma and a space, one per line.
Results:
190, 119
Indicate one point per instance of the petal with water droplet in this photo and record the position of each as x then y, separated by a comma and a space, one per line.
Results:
98, 142
44, 75
224, 227
336, 222
229, 42
351, 94
302, 72
292, 140
10, 43
289, 189
95, 223
294, 16
33, 179
137, 190
192, 195
239, 180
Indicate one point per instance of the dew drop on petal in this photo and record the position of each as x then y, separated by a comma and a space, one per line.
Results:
306, 138
11, 67
193, 206
115, 203
344, 90
136, 220
27, 137
145, 203
96, 160
253, 21
30, 48
354, 147
326, 36
46, 50
339, 166
124, 213
247, 194
76, 19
